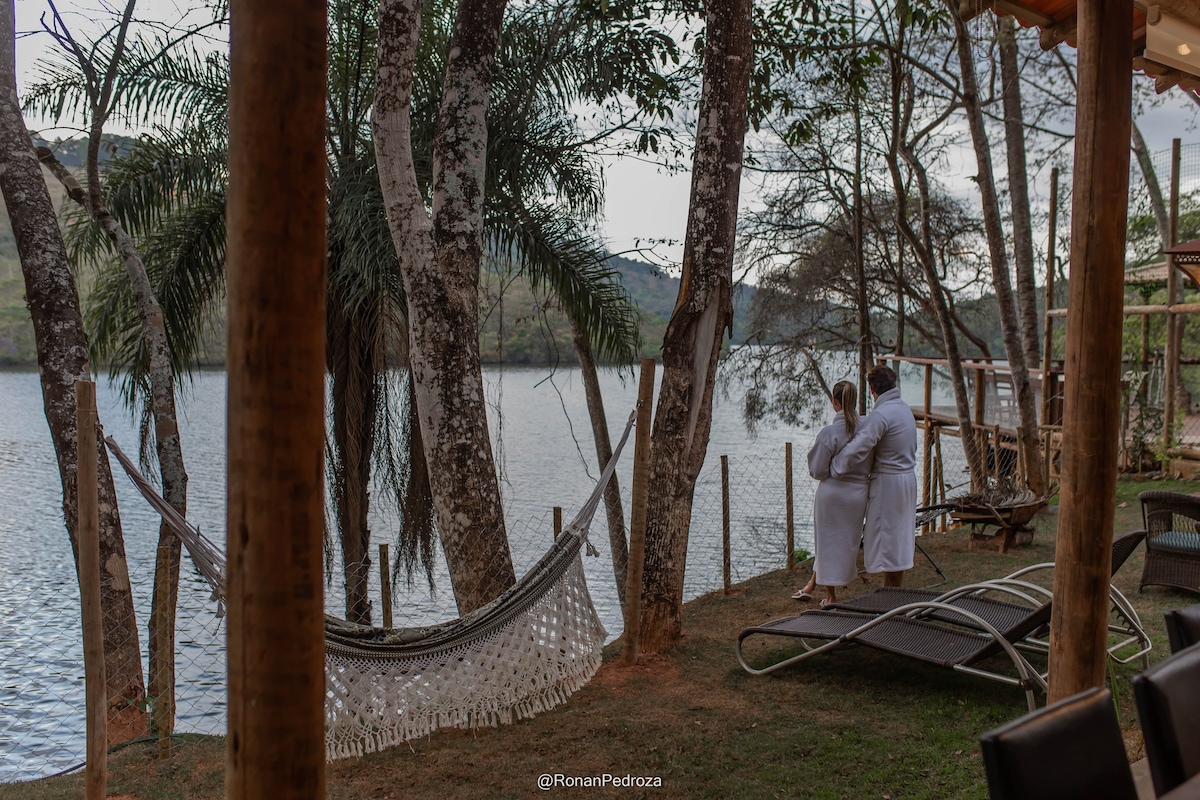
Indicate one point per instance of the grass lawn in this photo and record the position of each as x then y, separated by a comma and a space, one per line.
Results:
854, 723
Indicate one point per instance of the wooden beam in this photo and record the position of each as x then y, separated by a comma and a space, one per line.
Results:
276, 400
1171, 351
1092, 390
1058, 32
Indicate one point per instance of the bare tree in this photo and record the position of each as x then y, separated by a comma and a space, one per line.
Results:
1027, 430
1018, 189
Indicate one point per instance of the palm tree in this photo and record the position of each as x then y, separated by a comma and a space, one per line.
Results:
542, 191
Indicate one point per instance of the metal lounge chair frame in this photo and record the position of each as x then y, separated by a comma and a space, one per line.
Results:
912, 631
999, 613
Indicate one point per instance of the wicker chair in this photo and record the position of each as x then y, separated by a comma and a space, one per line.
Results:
1172, 524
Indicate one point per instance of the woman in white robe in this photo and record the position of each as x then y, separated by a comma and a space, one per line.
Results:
840, 503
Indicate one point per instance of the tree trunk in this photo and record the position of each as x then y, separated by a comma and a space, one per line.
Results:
704, 310
352, 362
1159, 207
1010, 324
440, 261
62, 359
167, 443
612, 492
1018, 190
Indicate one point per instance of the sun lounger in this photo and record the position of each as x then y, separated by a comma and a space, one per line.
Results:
912, 632
1017, 596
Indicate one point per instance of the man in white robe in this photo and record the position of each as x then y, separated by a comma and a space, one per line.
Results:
886, 443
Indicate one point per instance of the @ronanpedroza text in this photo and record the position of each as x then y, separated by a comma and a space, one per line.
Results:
557, 780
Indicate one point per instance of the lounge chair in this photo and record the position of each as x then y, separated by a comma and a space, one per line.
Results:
1072, 748
1019, 595
1183, 627
911, 632
1172, 524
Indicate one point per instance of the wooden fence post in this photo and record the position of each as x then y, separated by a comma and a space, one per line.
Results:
790, 510
164, 705
637, 514
725, 522
557, 522
385, 584
1171, 355
87, 535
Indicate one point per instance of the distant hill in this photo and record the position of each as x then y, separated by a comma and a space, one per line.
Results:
516, 327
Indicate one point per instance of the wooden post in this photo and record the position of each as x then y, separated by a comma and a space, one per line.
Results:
927, 442
95, 782
725, 522
1171, 354
276, 250
790, 519
1048, 324
164, 705
557, 522
385, 584
637, 514
1092, 390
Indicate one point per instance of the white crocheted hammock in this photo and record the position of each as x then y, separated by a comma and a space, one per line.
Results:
523, 653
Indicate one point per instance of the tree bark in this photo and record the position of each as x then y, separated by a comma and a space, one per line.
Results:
692, 342
1010, 324
440, 261
168, 447
617, 542
62, 359
1018, 190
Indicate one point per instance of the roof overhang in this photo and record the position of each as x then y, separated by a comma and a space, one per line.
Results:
1166, 35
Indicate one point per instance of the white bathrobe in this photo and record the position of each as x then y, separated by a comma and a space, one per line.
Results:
885, 444
838, 508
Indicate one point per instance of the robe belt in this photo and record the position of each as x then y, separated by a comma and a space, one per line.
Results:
893, 471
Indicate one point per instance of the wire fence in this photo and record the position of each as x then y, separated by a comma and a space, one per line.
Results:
41, 666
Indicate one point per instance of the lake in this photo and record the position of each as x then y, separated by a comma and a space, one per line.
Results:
546, 457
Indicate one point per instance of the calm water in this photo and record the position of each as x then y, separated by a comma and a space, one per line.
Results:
546, 456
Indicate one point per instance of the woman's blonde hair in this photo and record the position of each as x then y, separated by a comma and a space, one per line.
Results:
846, 393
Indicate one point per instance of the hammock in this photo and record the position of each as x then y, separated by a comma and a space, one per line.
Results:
524, 652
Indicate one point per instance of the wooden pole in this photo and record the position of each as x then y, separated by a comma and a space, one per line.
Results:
164, 704
95, 781
275, 245
725, 522
557, 522
927, 442
1048, 336
637, 514
790, 519
1171, 354
385, 584
1092, 389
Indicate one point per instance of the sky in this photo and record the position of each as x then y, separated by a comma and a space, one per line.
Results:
646, 205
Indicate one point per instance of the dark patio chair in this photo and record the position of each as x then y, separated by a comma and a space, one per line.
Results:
910, 632
1016, 597
1069, 749
1168, 704
1183, 627
1172, 523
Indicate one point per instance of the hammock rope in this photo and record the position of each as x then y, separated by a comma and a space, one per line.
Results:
523, 653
